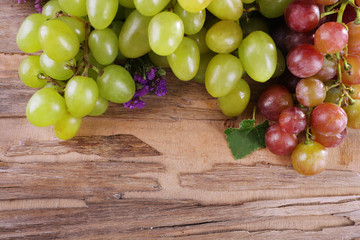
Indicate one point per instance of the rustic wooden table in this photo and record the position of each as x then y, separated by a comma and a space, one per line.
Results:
161, 172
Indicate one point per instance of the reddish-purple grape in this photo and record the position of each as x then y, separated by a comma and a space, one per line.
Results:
328, 70
273, 101
328, 141
302, 16
310, 92
280, 142
331, 37
292, 120
328, 119
304, 61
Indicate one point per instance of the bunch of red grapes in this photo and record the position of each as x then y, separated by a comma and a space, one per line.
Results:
322, 43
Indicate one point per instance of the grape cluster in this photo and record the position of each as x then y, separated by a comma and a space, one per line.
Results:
323, 62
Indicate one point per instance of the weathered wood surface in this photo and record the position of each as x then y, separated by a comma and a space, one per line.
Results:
163, 172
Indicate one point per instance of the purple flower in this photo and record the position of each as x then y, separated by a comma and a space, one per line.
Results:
138, 78
151, 75
135, 102
142, 92
38, 4
161, 89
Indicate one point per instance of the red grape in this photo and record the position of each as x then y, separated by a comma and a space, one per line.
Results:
353, 113
302, 16
310, 92
309, 159
331, 37
325, 2
280, 142
292, 120
354, 36
293, 39
328, 119
328, 141
273, 101
357, 2
304, 61
352, 76
328, 70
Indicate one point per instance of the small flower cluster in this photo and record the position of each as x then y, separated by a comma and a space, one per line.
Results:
38, 4
151, 81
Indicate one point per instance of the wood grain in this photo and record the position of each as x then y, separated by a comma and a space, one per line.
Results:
113, 146
331, 218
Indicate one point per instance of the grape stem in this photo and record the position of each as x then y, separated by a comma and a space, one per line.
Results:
49, 79
97, 70
330, 8
324, 14
341, 11
308, 139
60, 14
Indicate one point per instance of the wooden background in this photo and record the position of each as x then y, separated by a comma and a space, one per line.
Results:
158, 173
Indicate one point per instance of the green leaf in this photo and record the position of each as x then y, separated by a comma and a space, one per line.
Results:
247, 138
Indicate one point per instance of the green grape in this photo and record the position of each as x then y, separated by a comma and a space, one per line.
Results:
29, 69
353, 114
235, 102
127, 3
74, 7
160, 61
150, 7
59, 86
226, 9
224, 37
51, 8
58, 40
184, 62
103, 44
81, 94
258, 55
27, 37
101, 13
200, 39
280, 65
91, 59
100, 107
67, 126
116, 84
194, 5
273, 8
222, 74
56, 70
254, 23
193, 22
45, 107
76, 25
166, 30
133, 38
204, 61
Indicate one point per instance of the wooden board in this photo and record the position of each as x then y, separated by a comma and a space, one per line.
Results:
161, 172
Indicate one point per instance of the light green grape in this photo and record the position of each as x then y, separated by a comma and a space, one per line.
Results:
226, 9
29, 69
81, 94
222, 74
194, 5
51, 8
184, 62
193, 22
280, 65
258, 55
200, 39
101, 13
45, 107
67, 127
273, 8
27, 37
150, 7
127, 3
56, 70
204, 61
166, 30
254, 23
158, 60
75, 24
74, 7
235, 102
91, 59
133, 38
116, 26
58, 40
224, 36
103, 44
116, 84
100, 107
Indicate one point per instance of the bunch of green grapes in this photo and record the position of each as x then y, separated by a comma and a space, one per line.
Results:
80, 43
